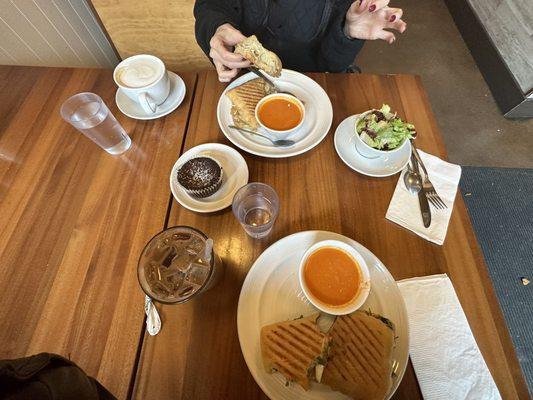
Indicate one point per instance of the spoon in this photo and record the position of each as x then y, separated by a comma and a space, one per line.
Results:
275, 142
412, 181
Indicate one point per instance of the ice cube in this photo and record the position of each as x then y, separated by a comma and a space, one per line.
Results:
187, 289
197, 274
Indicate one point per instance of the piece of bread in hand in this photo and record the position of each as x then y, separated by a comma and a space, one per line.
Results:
244, 99
294, 348
251, 49
359, 363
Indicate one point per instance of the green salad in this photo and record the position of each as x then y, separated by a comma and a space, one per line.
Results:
384, 130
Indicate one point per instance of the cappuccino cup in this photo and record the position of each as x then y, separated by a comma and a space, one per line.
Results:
144, 79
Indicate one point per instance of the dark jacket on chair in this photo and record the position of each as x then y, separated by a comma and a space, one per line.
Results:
306, 34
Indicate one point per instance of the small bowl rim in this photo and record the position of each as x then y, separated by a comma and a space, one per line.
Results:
381, 152
292, 98
354, 304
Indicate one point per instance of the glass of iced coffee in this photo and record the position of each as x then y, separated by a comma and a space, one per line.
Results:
178, 264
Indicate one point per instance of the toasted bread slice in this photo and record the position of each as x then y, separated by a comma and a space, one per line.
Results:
293, 348
244, 99
359, 363
251, 49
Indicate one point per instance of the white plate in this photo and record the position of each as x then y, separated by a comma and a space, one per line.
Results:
318, 117
271, 293
235, 176
377, 167
133, 110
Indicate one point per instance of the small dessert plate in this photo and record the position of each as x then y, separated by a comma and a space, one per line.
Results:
379, 167
133, 110
234, 176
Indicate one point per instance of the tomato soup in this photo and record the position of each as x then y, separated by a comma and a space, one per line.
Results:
280, 114
332, 276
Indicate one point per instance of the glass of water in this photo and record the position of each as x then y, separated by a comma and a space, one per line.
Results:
256, 206
88, 113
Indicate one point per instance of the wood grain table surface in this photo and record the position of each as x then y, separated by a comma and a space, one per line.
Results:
197, 353
73, 221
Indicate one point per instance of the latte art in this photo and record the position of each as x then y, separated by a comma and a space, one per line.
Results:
138, 74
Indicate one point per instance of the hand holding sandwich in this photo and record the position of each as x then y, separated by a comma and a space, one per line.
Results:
369, 19
226, 62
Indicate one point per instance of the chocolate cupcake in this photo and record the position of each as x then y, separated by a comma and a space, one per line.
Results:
200, 176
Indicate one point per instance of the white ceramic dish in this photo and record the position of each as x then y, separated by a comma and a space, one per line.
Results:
364, 290
235, 176
134, 110
277, 133
271, 293
318, 111
386, 165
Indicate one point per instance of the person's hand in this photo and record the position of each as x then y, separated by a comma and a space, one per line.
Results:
368, 19
226, 62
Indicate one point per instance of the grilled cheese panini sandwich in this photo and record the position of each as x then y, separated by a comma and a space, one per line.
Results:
251, 49
359, 363
294, 348
244, 99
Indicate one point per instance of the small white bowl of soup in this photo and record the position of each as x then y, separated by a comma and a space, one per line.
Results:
334, 277
280, 113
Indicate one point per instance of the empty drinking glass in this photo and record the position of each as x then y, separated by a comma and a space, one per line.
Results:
256, 206
88, 113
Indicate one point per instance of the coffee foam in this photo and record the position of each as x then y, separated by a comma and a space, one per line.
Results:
138, 73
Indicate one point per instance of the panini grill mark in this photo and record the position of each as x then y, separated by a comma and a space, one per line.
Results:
298, 345
311, 344
279, 343
371, 333
371, 349
303, 333
372, 361
292, 369
345, 346
359, 369
311, 327
366, 370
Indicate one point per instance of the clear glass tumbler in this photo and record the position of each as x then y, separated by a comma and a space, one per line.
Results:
88, 113
176, 265
256, 206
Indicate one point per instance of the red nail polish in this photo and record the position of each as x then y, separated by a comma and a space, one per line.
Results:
393, 18
372, 8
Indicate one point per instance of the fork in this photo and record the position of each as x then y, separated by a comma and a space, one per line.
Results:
427, 186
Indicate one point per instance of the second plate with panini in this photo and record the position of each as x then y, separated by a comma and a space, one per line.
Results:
318, 116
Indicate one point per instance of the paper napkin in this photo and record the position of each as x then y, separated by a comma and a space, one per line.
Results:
444, 353
405, 210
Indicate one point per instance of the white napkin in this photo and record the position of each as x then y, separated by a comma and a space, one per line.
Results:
405, 210
445, 355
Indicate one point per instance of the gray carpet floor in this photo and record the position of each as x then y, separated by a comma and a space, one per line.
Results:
474, 131
499, 202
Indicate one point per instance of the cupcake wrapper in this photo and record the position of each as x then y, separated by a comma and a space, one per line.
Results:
207, 191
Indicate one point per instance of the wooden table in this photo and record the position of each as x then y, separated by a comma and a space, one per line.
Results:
73, 221
90, 214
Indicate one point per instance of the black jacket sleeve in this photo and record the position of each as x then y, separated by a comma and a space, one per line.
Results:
210, 14
337, 52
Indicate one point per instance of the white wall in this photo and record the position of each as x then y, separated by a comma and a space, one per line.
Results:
59, 33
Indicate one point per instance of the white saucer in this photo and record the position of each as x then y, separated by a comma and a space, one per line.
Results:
376, 167
133, 110
234, 176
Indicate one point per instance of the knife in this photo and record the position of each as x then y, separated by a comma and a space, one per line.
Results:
422, 199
